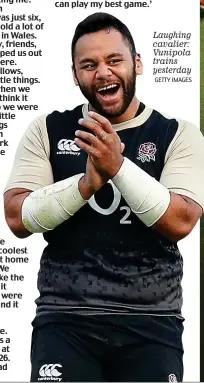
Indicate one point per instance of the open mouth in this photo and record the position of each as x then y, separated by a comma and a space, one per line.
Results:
108, 92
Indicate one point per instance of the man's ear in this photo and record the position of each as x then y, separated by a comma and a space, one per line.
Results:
74, 76
139, 64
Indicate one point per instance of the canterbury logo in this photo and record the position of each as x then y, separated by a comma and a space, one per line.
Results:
50, 372
68, 147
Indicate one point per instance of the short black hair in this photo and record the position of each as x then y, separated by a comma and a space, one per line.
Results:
99, 21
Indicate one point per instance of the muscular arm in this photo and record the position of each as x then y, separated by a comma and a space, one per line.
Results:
183, 175
31, 173
33, 202
13, 200
171, 206
42, 210
30, 212
173, 215
31, 170
174, 205
179, 219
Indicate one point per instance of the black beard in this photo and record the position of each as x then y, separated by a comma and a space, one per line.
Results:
128, 94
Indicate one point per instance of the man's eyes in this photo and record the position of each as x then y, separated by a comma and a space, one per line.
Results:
91, 66
88, 66
114, 61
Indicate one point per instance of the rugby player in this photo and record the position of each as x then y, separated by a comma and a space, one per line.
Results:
113, 185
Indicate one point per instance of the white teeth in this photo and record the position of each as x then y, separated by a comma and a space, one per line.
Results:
107, 87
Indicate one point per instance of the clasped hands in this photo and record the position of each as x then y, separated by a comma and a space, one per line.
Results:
104, 149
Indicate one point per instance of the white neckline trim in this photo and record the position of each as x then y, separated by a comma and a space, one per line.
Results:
133, 123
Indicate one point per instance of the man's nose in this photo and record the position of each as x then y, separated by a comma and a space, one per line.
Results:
103, 71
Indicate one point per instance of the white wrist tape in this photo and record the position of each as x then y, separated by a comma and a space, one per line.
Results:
46, 208
146, 197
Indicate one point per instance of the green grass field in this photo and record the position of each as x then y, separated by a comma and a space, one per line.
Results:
202, 220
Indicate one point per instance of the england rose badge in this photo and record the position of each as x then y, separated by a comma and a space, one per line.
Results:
147, 152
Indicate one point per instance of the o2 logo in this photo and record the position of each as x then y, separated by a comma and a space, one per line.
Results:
116, 202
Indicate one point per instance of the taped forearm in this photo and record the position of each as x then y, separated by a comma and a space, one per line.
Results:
46, 208
147, 198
